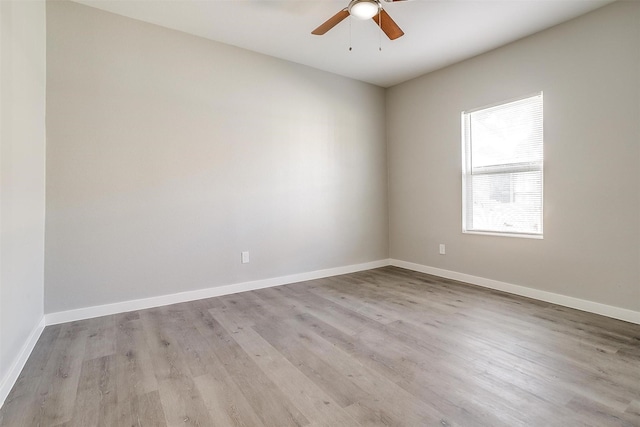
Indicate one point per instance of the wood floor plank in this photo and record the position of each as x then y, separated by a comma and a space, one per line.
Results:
318, 407
632, 413
100, 337
147, 411
96, 398
166, 355
491, 360
57, 395
385, 363
135, 376
383, 347
504, 338
225, 402
388, 399
268, 401
196, 352
595, 414
181, 401
383, 396
347, 321
559, 360
405, 371
339, 387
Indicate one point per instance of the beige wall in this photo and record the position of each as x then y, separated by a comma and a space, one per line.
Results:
589, 70
168, 155
22, 156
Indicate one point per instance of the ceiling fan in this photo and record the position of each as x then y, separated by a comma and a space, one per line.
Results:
364, 9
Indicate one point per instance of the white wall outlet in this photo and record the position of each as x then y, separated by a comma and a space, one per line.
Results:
442, 251
245, 257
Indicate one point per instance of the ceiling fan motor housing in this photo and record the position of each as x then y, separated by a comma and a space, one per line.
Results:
364, 9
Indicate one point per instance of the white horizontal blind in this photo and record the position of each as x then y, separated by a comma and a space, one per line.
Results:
503, 168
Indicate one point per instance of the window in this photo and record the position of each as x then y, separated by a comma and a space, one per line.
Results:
502, 167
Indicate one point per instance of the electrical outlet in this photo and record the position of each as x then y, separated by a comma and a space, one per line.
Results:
245, 257
442, 249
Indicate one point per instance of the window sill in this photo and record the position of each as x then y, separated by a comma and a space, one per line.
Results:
500, 234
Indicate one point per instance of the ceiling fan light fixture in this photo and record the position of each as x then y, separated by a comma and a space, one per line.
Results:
364, 9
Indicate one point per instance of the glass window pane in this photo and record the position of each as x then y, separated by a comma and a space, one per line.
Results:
509, 202
507, 134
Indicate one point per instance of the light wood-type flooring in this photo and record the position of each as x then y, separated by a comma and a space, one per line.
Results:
385, 347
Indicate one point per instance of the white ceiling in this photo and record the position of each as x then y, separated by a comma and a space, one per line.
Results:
437, 32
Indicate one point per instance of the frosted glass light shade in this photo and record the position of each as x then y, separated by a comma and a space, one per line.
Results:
363, 9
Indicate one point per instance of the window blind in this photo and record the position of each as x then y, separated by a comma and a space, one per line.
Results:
503, 168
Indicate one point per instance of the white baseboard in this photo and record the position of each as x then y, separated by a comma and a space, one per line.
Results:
577, 303
140, 304
16, 367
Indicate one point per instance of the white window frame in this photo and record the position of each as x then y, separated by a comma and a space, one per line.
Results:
467, 174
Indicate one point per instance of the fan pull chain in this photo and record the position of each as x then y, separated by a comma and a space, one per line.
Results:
379, 32
350, 38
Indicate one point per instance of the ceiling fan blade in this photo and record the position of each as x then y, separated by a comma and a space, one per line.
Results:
331, 22
388, 25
